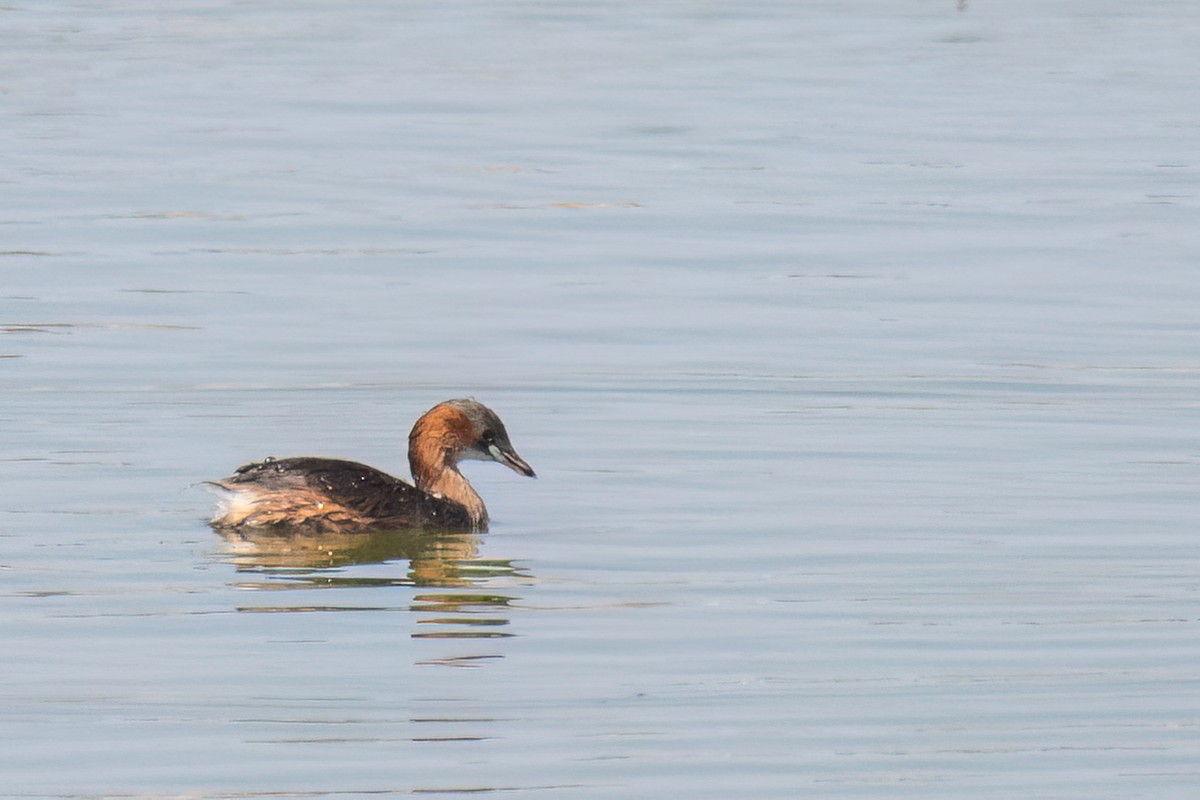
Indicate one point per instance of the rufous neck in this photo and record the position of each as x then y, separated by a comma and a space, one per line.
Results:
453, 485
435, 472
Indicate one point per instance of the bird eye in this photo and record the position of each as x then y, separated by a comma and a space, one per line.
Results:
489, 437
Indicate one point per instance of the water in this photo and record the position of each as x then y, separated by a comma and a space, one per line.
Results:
854, 346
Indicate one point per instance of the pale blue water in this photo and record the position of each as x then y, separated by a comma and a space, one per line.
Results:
854, 345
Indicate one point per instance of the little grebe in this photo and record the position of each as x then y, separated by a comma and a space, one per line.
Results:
327, 494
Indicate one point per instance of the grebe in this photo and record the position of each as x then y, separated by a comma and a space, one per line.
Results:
326, 494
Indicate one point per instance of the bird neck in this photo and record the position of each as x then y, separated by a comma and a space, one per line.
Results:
453, 485
435, 472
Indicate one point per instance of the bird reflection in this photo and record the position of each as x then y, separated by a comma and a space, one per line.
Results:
435, 559
463, 601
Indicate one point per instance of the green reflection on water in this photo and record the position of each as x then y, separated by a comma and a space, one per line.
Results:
285, 560
308, 560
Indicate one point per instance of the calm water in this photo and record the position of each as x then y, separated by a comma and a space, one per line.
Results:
854, 345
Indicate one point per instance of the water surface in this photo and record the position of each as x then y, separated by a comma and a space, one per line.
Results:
854, 347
